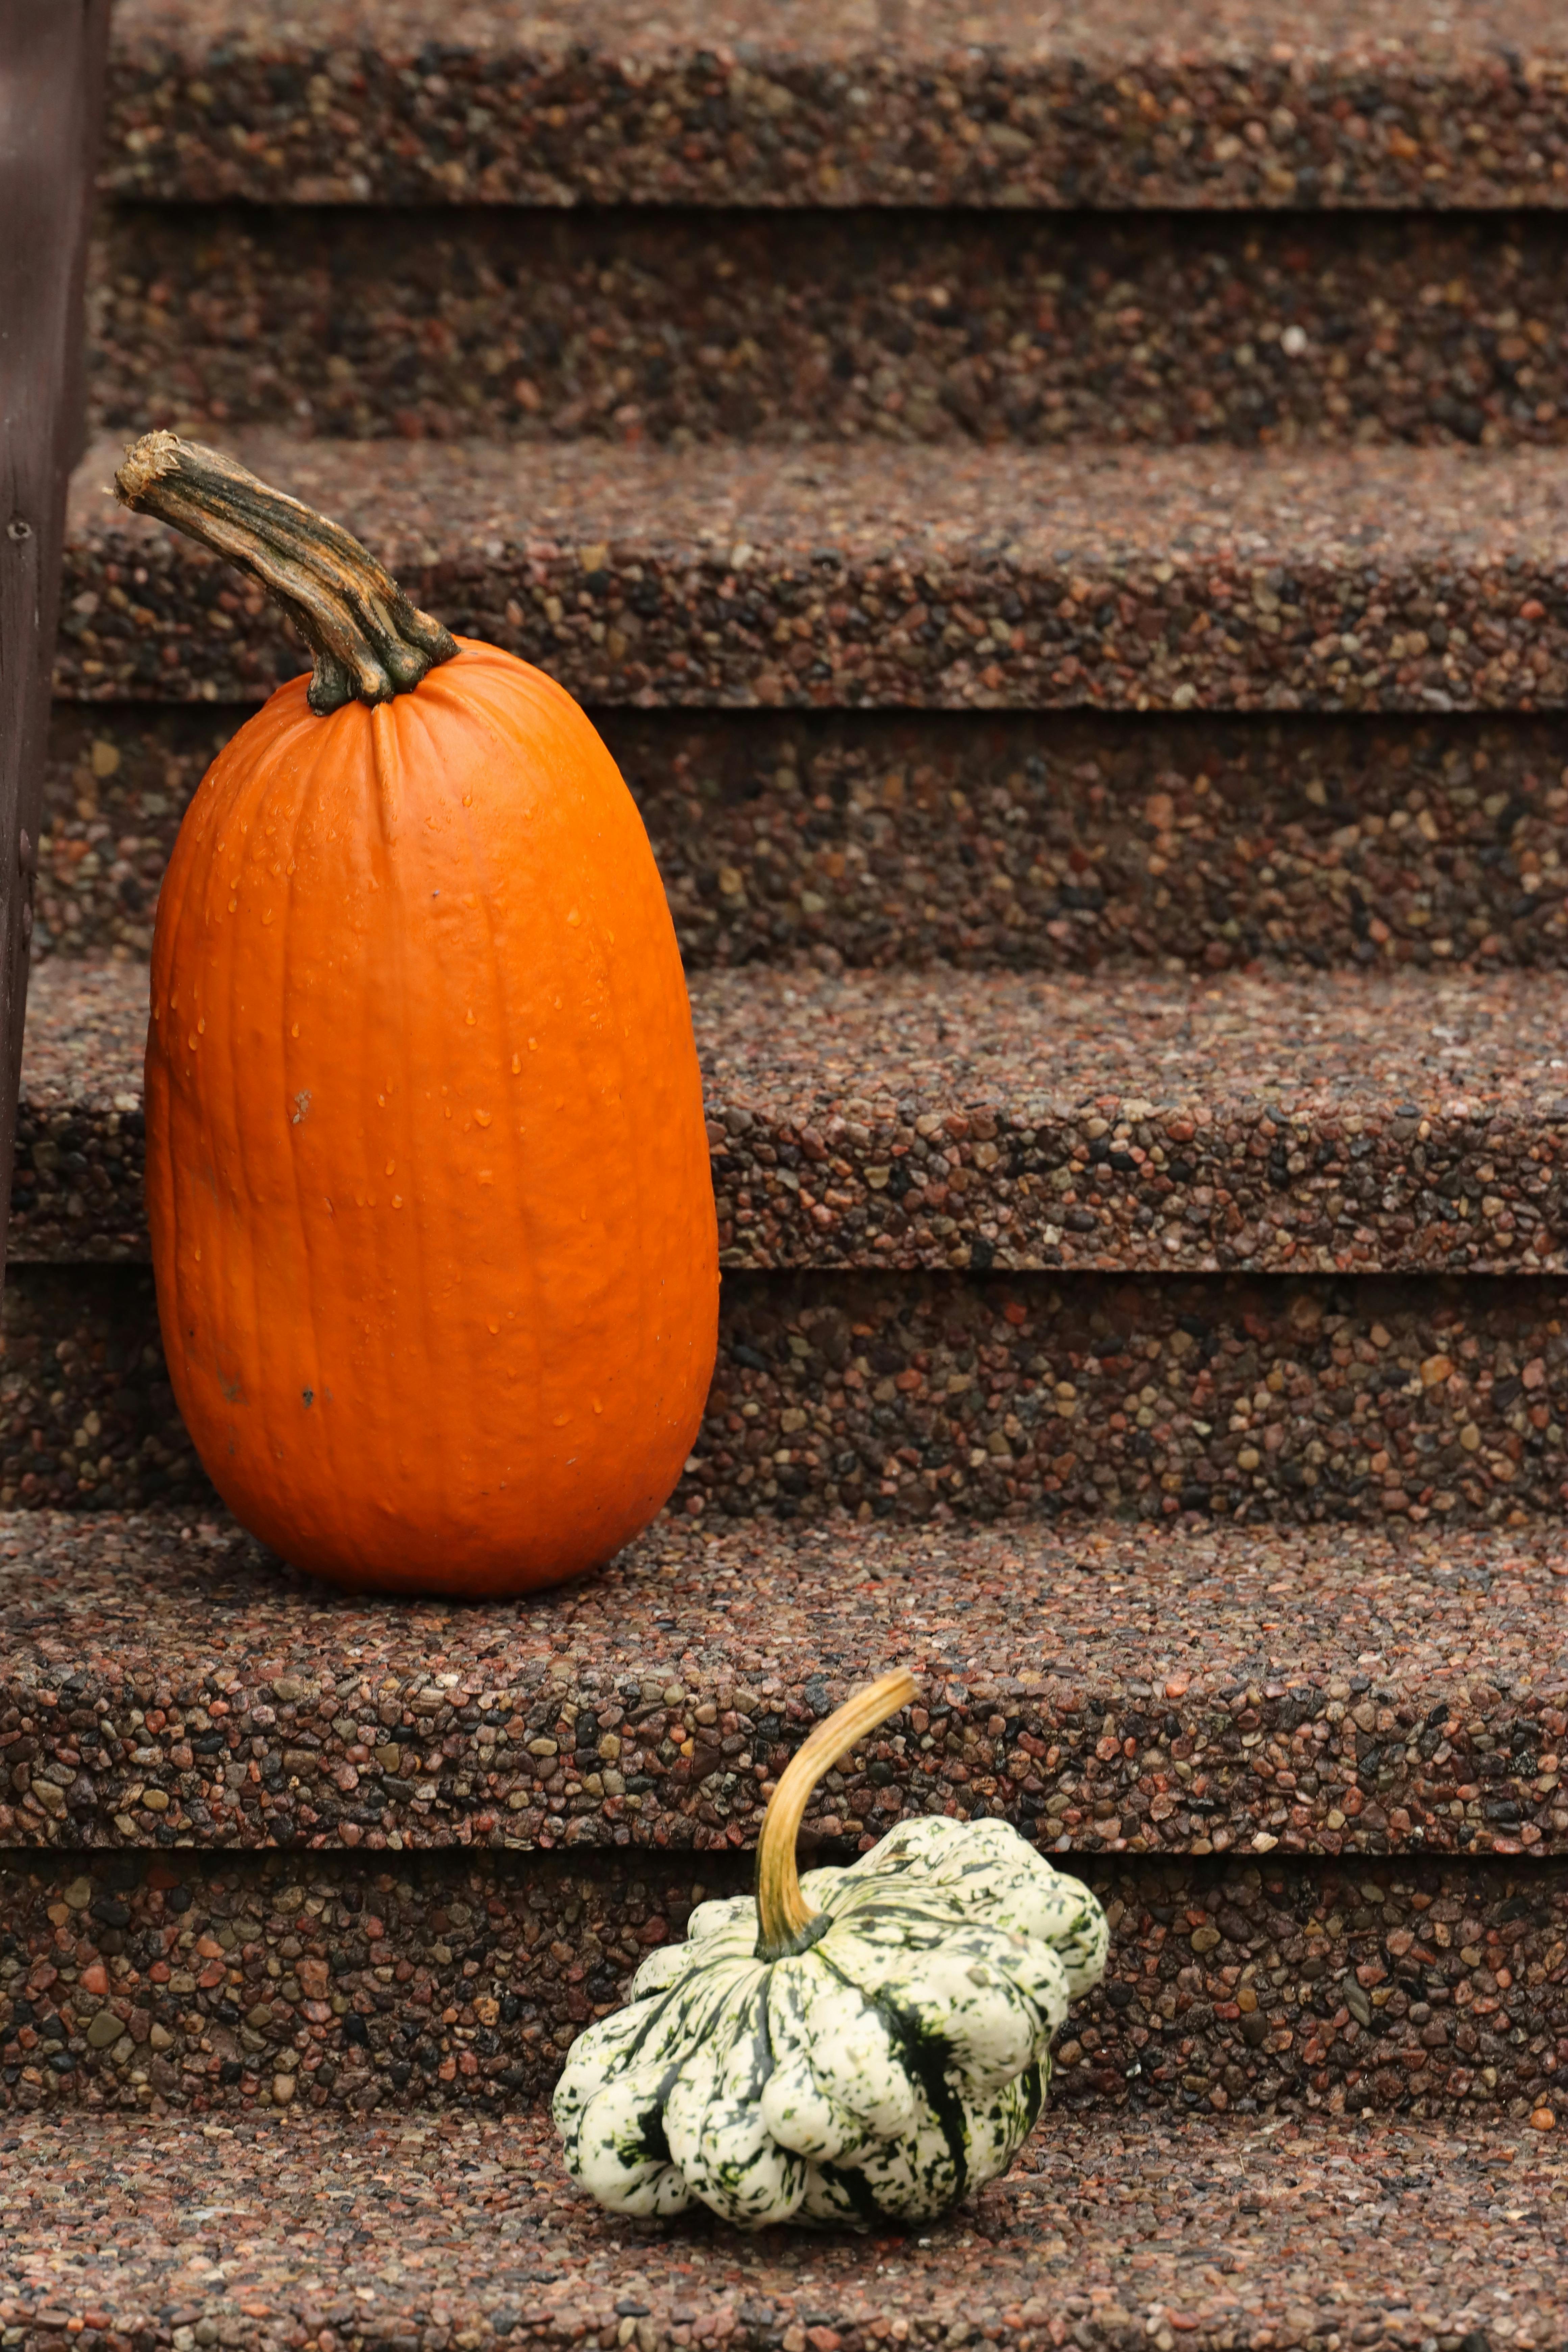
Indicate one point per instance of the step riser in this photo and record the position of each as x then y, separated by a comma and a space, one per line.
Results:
882, 112
995, 580
1074, 840
1336, 1958
1462, 1389
914, 328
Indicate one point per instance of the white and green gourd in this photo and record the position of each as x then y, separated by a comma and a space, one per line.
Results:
868, 2042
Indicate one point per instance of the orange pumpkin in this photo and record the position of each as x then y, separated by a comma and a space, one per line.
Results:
428, 1176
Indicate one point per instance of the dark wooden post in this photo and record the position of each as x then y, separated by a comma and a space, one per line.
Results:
51, 94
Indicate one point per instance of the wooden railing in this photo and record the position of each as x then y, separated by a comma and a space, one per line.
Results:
51, 87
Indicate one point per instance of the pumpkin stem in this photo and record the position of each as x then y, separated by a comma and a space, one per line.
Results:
784, 1920
369, 641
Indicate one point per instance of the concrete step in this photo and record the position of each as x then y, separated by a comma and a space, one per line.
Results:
677, 326
448, 2231
1331, 1125
1395, 579
990, 840
1145, 103
965, 1399
1206, 1692
361, 1979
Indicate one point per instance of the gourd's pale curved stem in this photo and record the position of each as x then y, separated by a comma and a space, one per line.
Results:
369, 641
783, 1916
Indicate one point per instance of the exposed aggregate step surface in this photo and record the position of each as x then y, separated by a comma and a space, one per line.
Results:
1141, 103
1385, 578
280, 2235
780, 327
988, 840
1336, 1124
177, 1980
1189, 1692
965, 1398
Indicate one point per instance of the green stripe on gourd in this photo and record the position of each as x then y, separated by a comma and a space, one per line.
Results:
863, 2042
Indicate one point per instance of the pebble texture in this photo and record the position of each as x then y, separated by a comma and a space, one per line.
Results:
162, 1683
282, 2234
1340, 1123
1257, 102
960, 1399
86, 1406
1394, 579
1093, 1396
778, 328
1335, 1124
77, 1185
1054, 843
173, 1983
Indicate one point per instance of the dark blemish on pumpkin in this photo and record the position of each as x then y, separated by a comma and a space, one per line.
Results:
762, 2060
856, 2189
309, 1396
301, 1105
927, 2057
1034, 2095
230, 1390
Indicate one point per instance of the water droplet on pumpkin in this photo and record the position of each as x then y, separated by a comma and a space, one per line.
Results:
267, 917
398, 1200
391, 1168
232, 905
295, 1031
201, 1028
483, 1117
485, 1177
574, 919
493, 1327
191, 1041
470, 1020
597, 1406
468, 799
562, 1419
516, 1063
534, 1045
198, 1258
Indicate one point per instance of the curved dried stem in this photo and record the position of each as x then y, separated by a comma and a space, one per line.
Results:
370, 642
784, 1919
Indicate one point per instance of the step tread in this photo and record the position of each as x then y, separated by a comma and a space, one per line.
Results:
1393, 1094
1127, 579
402, 2231
1046, 1631
1271, 103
